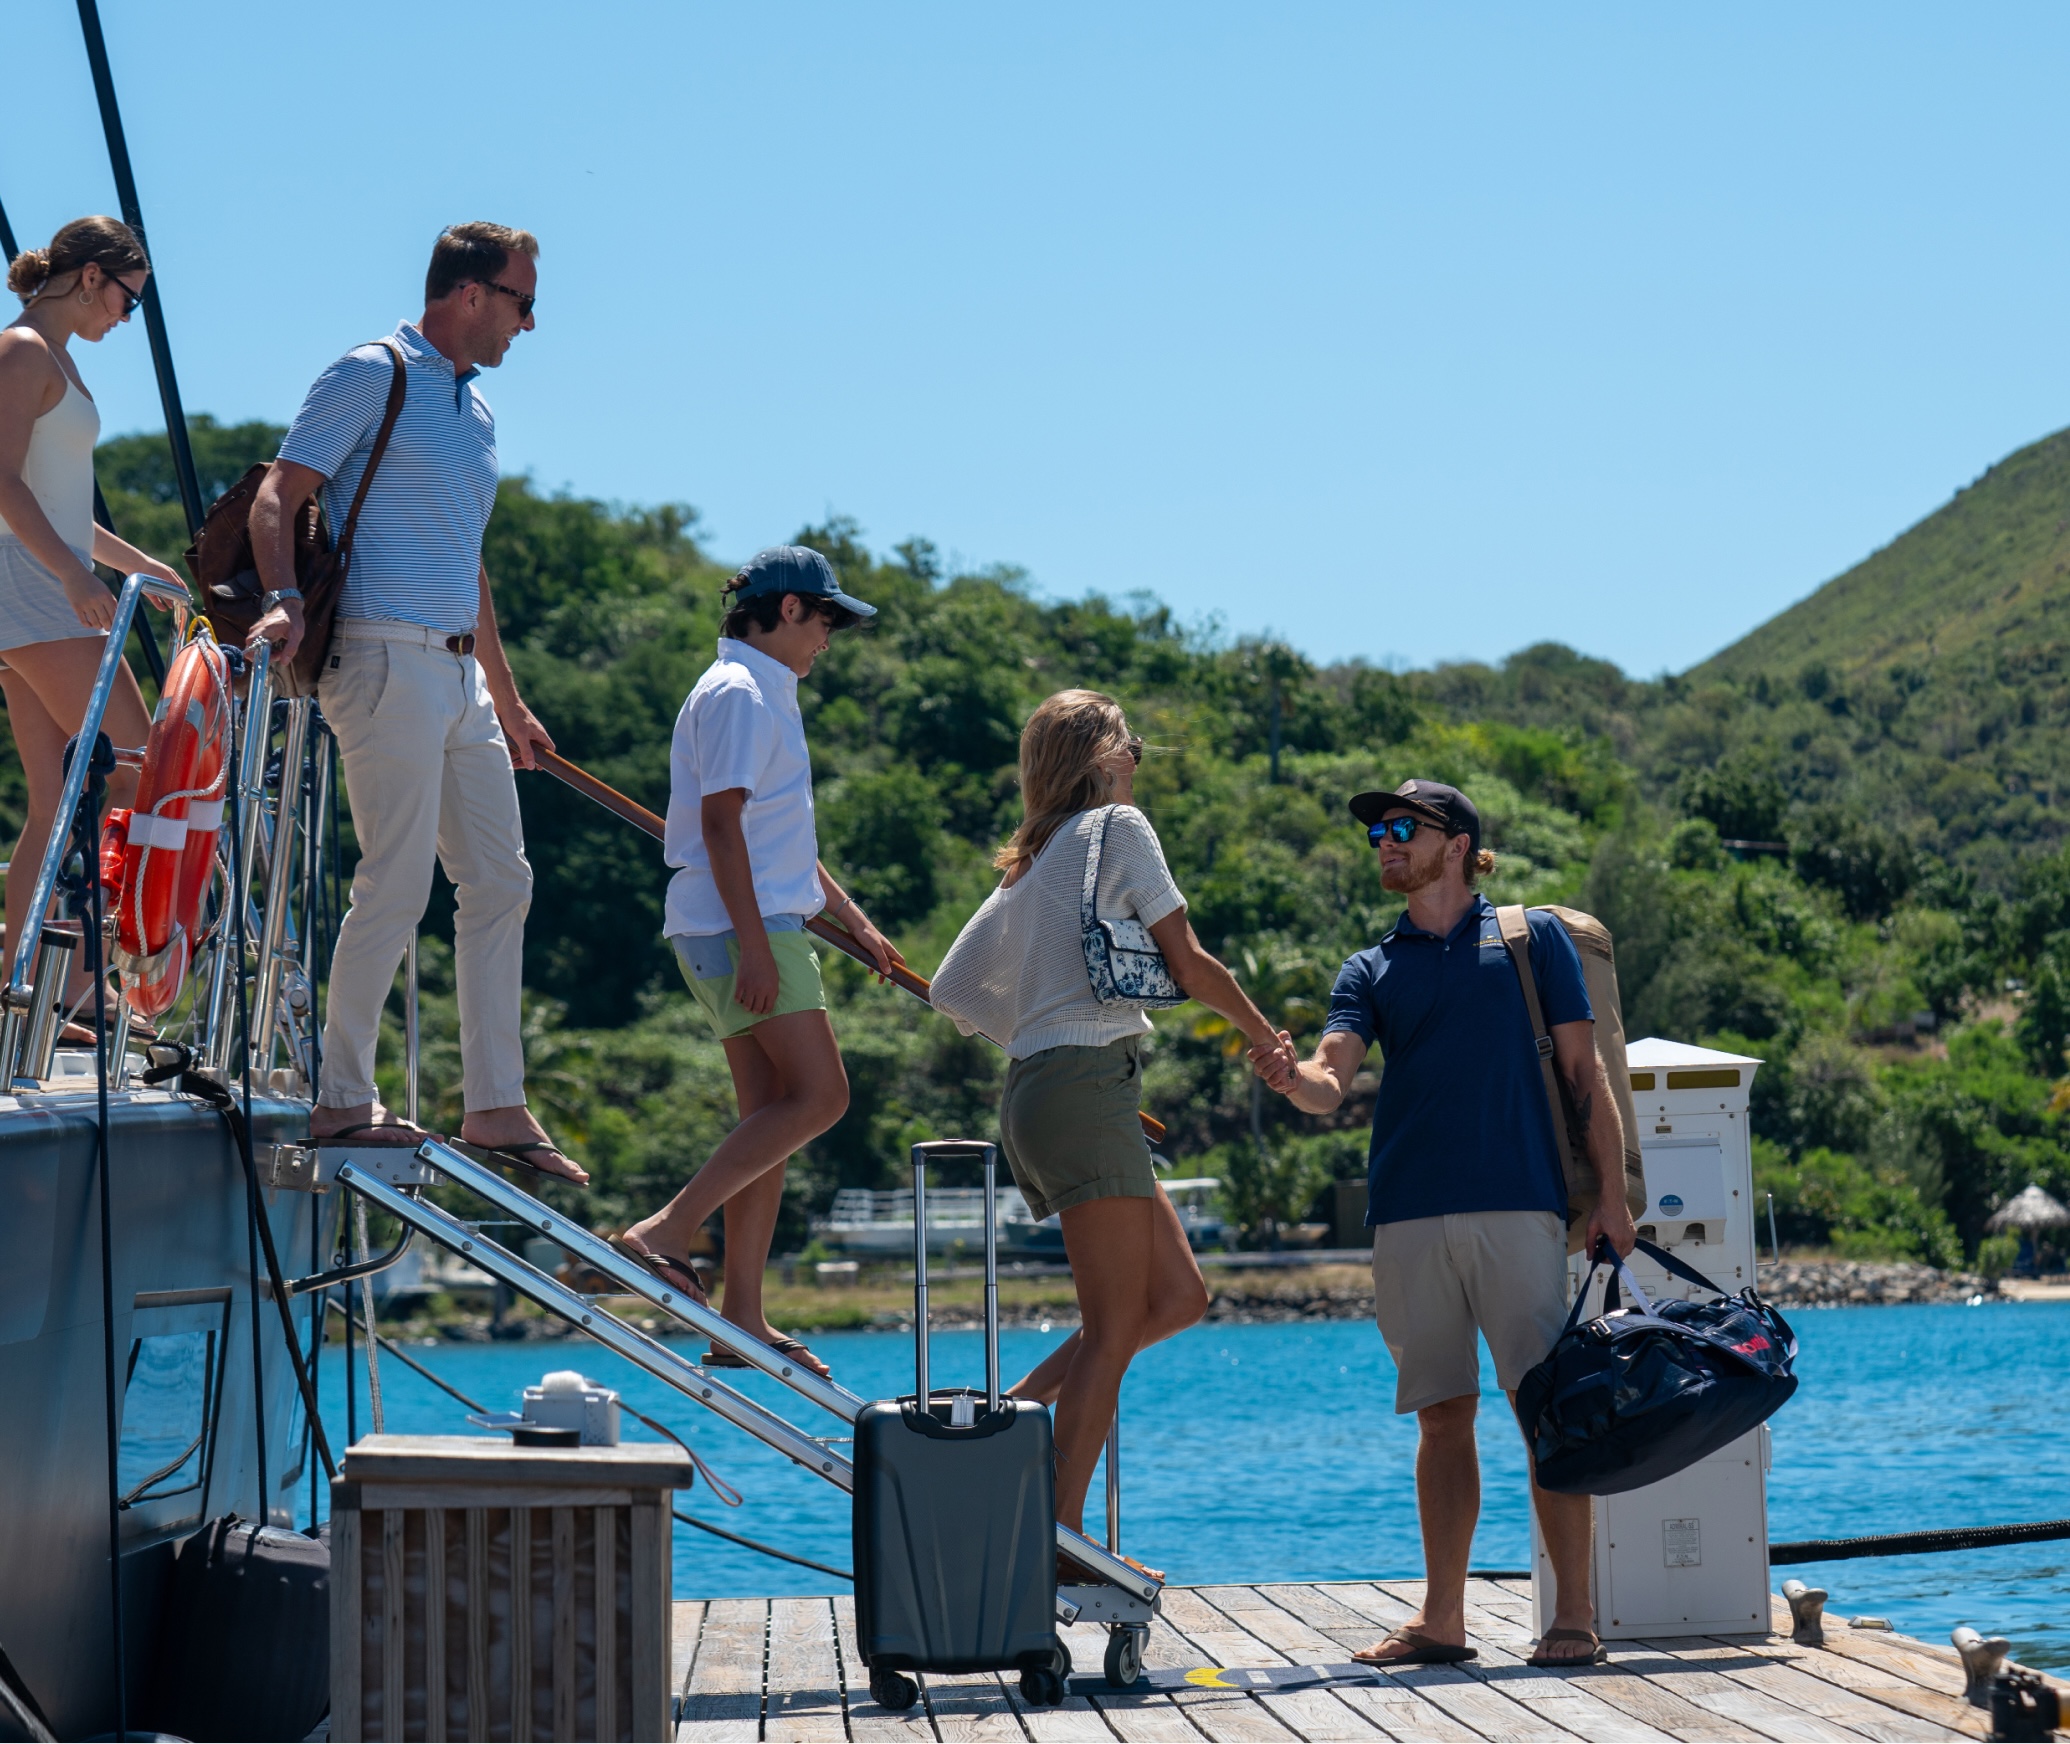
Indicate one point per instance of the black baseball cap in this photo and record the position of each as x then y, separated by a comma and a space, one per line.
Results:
794, 569
1444, 806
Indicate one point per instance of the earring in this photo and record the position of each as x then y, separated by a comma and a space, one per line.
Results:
86, 299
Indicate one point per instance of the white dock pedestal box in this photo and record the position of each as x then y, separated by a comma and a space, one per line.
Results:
1688, 1555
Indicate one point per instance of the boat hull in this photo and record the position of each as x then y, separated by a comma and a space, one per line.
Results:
183, 1295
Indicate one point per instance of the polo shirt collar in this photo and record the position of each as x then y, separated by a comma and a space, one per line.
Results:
1480, 911
768, 672
420, 351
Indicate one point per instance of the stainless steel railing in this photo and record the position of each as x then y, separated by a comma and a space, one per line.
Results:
20, 1005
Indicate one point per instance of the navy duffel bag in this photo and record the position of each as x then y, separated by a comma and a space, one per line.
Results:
1637, 1394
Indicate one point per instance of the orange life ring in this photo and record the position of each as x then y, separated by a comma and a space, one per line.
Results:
171, 836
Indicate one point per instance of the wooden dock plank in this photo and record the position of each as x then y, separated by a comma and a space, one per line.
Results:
1763, 1667
1869, 1678
723, 1702
1073, 1721
866, 1720
970, 1707
685, 1618
1217, 1714
1733, 1685
803, 1702
1138, 1716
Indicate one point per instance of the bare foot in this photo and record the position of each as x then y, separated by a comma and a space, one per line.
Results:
367, 1123
518, 1138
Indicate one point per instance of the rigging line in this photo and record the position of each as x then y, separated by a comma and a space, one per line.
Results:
85, 829
765, 1549
133, 216
7, 245
1917, 1543
240, 892
395, 1350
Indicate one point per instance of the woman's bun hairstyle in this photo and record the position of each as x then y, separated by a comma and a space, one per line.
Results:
107, 243
27, 271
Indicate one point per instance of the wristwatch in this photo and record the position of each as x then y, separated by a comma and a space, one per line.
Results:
273, 596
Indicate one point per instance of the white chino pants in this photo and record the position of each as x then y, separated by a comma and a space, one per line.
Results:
428, 774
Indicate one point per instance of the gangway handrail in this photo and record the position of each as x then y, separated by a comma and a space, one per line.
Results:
15, 997
602, 1325
636, 1280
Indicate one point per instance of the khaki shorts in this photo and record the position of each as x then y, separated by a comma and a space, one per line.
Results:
798, 986
1069, 1128
1439, 1280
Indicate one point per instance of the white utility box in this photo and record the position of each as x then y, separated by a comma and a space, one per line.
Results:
1688, 1555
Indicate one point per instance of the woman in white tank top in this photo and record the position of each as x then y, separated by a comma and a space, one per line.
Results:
54, 611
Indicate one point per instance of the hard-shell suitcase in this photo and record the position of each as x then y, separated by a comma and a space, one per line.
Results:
245, 1650
955, 1509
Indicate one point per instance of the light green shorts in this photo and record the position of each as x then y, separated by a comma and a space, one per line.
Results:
1069, 1126
798, 986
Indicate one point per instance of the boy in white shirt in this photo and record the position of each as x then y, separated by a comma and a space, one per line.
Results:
740, 833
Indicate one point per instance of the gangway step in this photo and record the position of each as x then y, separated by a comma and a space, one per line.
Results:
583, 1313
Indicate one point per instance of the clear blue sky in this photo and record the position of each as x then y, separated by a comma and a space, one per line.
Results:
1410, 332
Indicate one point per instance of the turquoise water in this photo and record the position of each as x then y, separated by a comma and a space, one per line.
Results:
1254, 1453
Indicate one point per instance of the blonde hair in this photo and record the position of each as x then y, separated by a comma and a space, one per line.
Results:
107, 243
1061, 749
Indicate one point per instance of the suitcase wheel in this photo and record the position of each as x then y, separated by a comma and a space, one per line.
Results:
1124, 1655
892, 1689
1042, 1687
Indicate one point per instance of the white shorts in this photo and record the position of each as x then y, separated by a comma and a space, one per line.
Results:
1437, 1281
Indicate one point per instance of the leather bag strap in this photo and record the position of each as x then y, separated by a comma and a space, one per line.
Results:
398, 390
1516, 935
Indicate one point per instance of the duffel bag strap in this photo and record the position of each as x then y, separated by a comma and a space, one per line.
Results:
1687, 1273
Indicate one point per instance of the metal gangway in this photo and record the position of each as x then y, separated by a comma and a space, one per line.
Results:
1122, 1597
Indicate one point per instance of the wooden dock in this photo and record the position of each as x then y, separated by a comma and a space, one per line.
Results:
787, 1669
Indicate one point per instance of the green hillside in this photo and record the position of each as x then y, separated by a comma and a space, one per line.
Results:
1988, 570
1901, 961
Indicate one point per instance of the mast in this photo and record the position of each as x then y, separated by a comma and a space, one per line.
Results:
133, 216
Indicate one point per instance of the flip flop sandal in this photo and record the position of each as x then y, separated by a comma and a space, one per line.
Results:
1596, 1655
715, 1358
1073, 1573
517, 1154
402, 1135
662, 1266
791, 1348
1423, 1650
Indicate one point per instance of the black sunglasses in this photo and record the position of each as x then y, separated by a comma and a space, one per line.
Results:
524, 302
131, 302
1400, 829
1135, 748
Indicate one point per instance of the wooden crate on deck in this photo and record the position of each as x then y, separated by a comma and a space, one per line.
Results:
466, 1576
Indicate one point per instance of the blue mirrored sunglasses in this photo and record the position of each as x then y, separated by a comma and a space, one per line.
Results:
1401, 829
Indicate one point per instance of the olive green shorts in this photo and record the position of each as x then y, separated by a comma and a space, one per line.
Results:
798, 986
1069, 1124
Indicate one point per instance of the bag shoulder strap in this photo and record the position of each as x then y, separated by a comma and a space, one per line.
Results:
1679, 1268
398, 389
1516, 935
1088, 907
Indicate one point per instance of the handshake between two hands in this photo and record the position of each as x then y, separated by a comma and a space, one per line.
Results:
1276, 1062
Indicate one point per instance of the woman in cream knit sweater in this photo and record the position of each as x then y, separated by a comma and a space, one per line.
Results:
1017, 974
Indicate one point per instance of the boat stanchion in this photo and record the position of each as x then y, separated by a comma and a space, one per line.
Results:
1982, 1658
1807, 1613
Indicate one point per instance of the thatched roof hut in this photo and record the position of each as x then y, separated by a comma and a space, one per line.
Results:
2028, 1212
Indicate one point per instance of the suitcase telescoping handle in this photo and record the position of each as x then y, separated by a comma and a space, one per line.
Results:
989, 1155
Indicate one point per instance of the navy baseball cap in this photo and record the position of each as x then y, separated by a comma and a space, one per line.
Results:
1444, 806
794, 569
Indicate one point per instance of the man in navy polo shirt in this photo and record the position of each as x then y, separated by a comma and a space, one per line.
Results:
1465, 1192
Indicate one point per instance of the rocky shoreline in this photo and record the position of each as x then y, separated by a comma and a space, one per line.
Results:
1254, 1298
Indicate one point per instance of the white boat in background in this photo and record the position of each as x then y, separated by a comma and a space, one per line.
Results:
866, 1222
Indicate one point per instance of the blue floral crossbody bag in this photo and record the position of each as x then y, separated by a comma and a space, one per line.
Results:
1121, 958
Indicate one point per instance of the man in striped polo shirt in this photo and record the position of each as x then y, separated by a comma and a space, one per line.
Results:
416, 687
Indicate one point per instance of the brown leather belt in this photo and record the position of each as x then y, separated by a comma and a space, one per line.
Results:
460, 644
